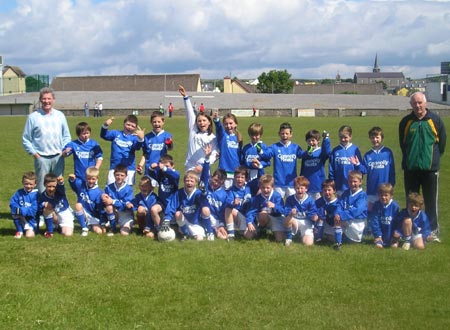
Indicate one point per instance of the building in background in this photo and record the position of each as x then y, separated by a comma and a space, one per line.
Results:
13, 80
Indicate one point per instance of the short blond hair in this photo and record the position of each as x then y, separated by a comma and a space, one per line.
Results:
92, 172
266, 179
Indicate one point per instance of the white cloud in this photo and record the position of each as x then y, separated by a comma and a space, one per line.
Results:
311, 39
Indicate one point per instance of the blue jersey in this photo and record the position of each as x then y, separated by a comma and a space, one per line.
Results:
85, 154
381, 220
380, 168
259, 203
123, 147
243, 194
284, 162
421, 224
230, 148
154, 147
352, 205
313, 166
306, 207
145, 201
168, 180
326, 210
189, 205
24, 203
120, 195
58, 202
90, 198
340, 164
249, 153
217, 199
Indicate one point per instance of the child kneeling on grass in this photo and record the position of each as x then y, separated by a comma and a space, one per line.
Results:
301, 213
143, 203
24, 206
266, 211
412, 224
55, 207
89, 206
190, 208
115, 198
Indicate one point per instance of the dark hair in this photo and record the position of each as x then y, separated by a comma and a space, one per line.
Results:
313, 133
210, 128
285, 126
82, 127
121, 168
374, 131
131, 118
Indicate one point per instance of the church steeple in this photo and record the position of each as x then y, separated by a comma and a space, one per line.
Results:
376, 68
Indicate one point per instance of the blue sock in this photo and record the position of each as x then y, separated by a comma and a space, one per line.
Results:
206, 223
148, 221
289, 233
81, 219
184, 229
338, 235
112, 221
320, 229
18, 225
49, 224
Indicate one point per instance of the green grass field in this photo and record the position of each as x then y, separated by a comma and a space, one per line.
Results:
132, 282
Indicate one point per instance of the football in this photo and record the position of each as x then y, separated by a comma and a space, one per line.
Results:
166, 236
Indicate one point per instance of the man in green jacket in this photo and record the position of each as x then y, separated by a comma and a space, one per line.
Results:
422, 139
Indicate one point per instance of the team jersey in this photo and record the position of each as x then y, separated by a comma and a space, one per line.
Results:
58, 202
85, 154
90, 198
24, 203
381, 220
154, 147
259, 203
120, 195
145, 201
352, 205
420, 223
380, 168
229, 146
217, 199
249, 153
189, 204
168, 180
326, 210
197, 140
313, 166
285, 158
123, 147
306, 207
340, 164
243, 194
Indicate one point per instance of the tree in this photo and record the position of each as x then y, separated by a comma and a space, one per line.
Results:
275, 82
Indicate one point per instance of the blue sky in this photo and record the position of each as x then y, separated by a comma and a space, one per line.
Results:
310, 38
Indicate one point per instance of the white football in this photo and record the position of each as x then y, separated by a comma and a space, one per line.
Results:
166, 236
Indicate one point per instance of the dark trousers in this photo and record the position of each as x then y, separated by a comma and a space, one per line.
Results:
428, 182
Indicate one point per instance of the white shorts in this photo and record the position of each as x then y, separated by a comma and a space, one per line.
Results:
91, 220
229, 181
125, 218
241, 222
194, 230
315, 195
285, 191
130, 177
277, 223
216, 223
304, 227
353, 229
65, 218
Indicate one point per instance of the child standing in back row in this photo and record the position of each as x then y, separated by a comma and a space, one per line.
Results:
379, 165
229, 140
344, 158
250, 156
124, 145
200, 134
86, 152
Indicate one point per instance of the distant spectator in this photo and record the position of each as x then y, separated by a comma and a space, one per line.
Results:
86, 109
